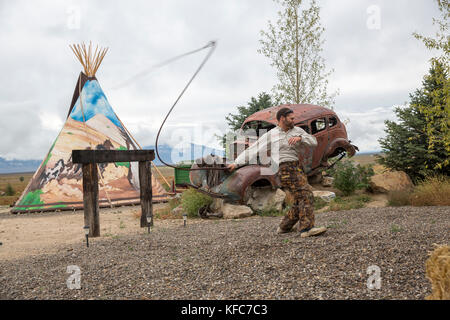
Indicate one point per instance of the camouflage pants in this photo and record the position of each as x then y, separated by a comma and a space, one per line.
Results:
294, 181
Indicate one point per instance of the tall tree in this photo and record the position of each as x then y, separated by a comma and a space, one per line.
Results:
235, 121
441, 42
294, 45
406, 146
437, 112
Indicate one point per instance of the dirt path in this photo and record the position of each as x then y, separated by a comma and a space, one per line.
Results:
42, 233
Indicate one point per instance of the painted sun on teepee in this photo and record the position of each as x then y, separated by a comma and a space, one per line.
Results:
91, 124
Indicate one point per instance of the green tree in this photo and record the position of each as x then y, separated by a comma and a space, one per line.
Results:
21, 179
9, 191
437, 111
294, 45
406, 146
235, 121
441, 42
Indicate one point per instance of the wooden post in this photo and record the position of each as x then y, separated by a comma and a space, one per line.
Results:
90, 199
89, 160
145, 180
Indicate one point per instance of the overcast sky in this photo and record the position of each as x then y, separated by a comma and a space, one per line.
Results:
376, 64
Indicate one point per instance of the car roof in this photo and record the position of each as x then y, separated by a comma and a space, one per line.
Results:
302, 112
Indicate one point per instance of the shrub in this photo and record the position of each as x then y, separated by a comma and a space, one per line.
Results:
9, 191
192, 200
399, 198
21, 179
348, 177
349, 203
432, 191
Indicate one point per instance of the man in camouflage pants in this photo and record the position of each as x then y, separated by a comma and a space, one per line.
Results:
289, 139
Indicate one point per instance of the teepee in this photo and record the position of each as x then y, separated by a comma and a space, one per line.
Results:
91, 124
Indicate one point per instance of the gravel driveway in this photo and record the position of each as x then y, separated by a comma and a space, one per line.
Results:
244, 259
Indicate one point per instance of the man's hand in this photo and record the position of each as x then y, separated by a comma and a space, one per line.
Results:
294, 140
231, 167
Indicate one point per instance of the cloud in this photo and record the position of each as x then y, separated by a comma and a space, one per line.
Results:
373, 68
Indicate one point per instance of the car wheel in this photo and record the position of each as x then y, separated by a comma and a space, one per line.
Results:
316, 178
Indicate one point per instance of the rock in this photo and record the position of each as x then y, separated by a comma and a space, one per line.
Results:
2, 193
324, 195
178, 210
327, 181
217, 205
267, 199
390, 181
231, 211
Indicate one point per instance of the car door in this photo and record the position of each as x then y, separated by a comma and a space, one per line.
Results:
319, 128
306, 153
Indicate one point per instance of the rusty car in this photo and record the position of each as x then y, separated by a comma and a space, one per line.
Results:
323, 123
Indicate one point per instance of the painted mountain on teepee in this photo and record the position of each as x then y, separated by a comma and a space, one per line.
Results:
91, 124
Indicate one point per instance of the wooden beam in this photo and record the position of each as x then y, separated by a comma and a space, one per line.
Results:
102, 156
90, 199
145, 181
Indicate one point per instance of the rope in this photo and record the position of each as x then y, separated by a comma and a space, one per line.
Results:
212, 46
129, 134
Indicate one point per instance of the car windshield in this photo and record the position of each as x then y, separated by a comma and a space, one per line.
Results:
254, 129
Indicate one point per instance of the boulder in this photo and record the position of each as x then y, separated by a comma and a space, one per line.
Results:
217, 205
178, 210
327, 181
324, 195
267, 199
390, 181
231, 211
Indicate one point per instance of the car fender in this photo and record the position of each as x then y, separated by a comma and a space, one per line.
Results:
235, 185
340, 143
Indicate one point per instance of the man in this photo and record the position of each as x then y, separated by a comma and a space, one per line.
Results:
289, 139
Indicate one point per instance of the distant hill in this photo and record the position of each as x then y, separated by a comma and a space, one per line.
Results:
16, 166
191, 152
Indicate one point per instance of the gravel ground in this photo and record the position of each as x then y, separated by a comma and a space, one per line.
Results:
245, 259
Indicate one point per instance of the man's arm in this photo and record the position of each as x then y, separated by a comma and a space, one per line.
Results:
249, 155
307, 138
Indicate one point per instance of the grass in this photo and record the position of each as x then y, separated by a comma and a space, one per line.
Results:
319, 203
336, 224
395, 228
433, 191
271, 212
15, 182
192, 200
399, 198
349, 203
164, 213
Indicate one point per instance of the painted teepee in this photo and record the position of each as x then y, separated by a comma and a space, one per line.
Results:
91, 124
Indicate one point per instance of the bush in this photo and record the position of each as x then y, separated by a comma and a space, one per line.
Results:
192, 200
432, 191
348, 177
9, 191
349, 203
399, 198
